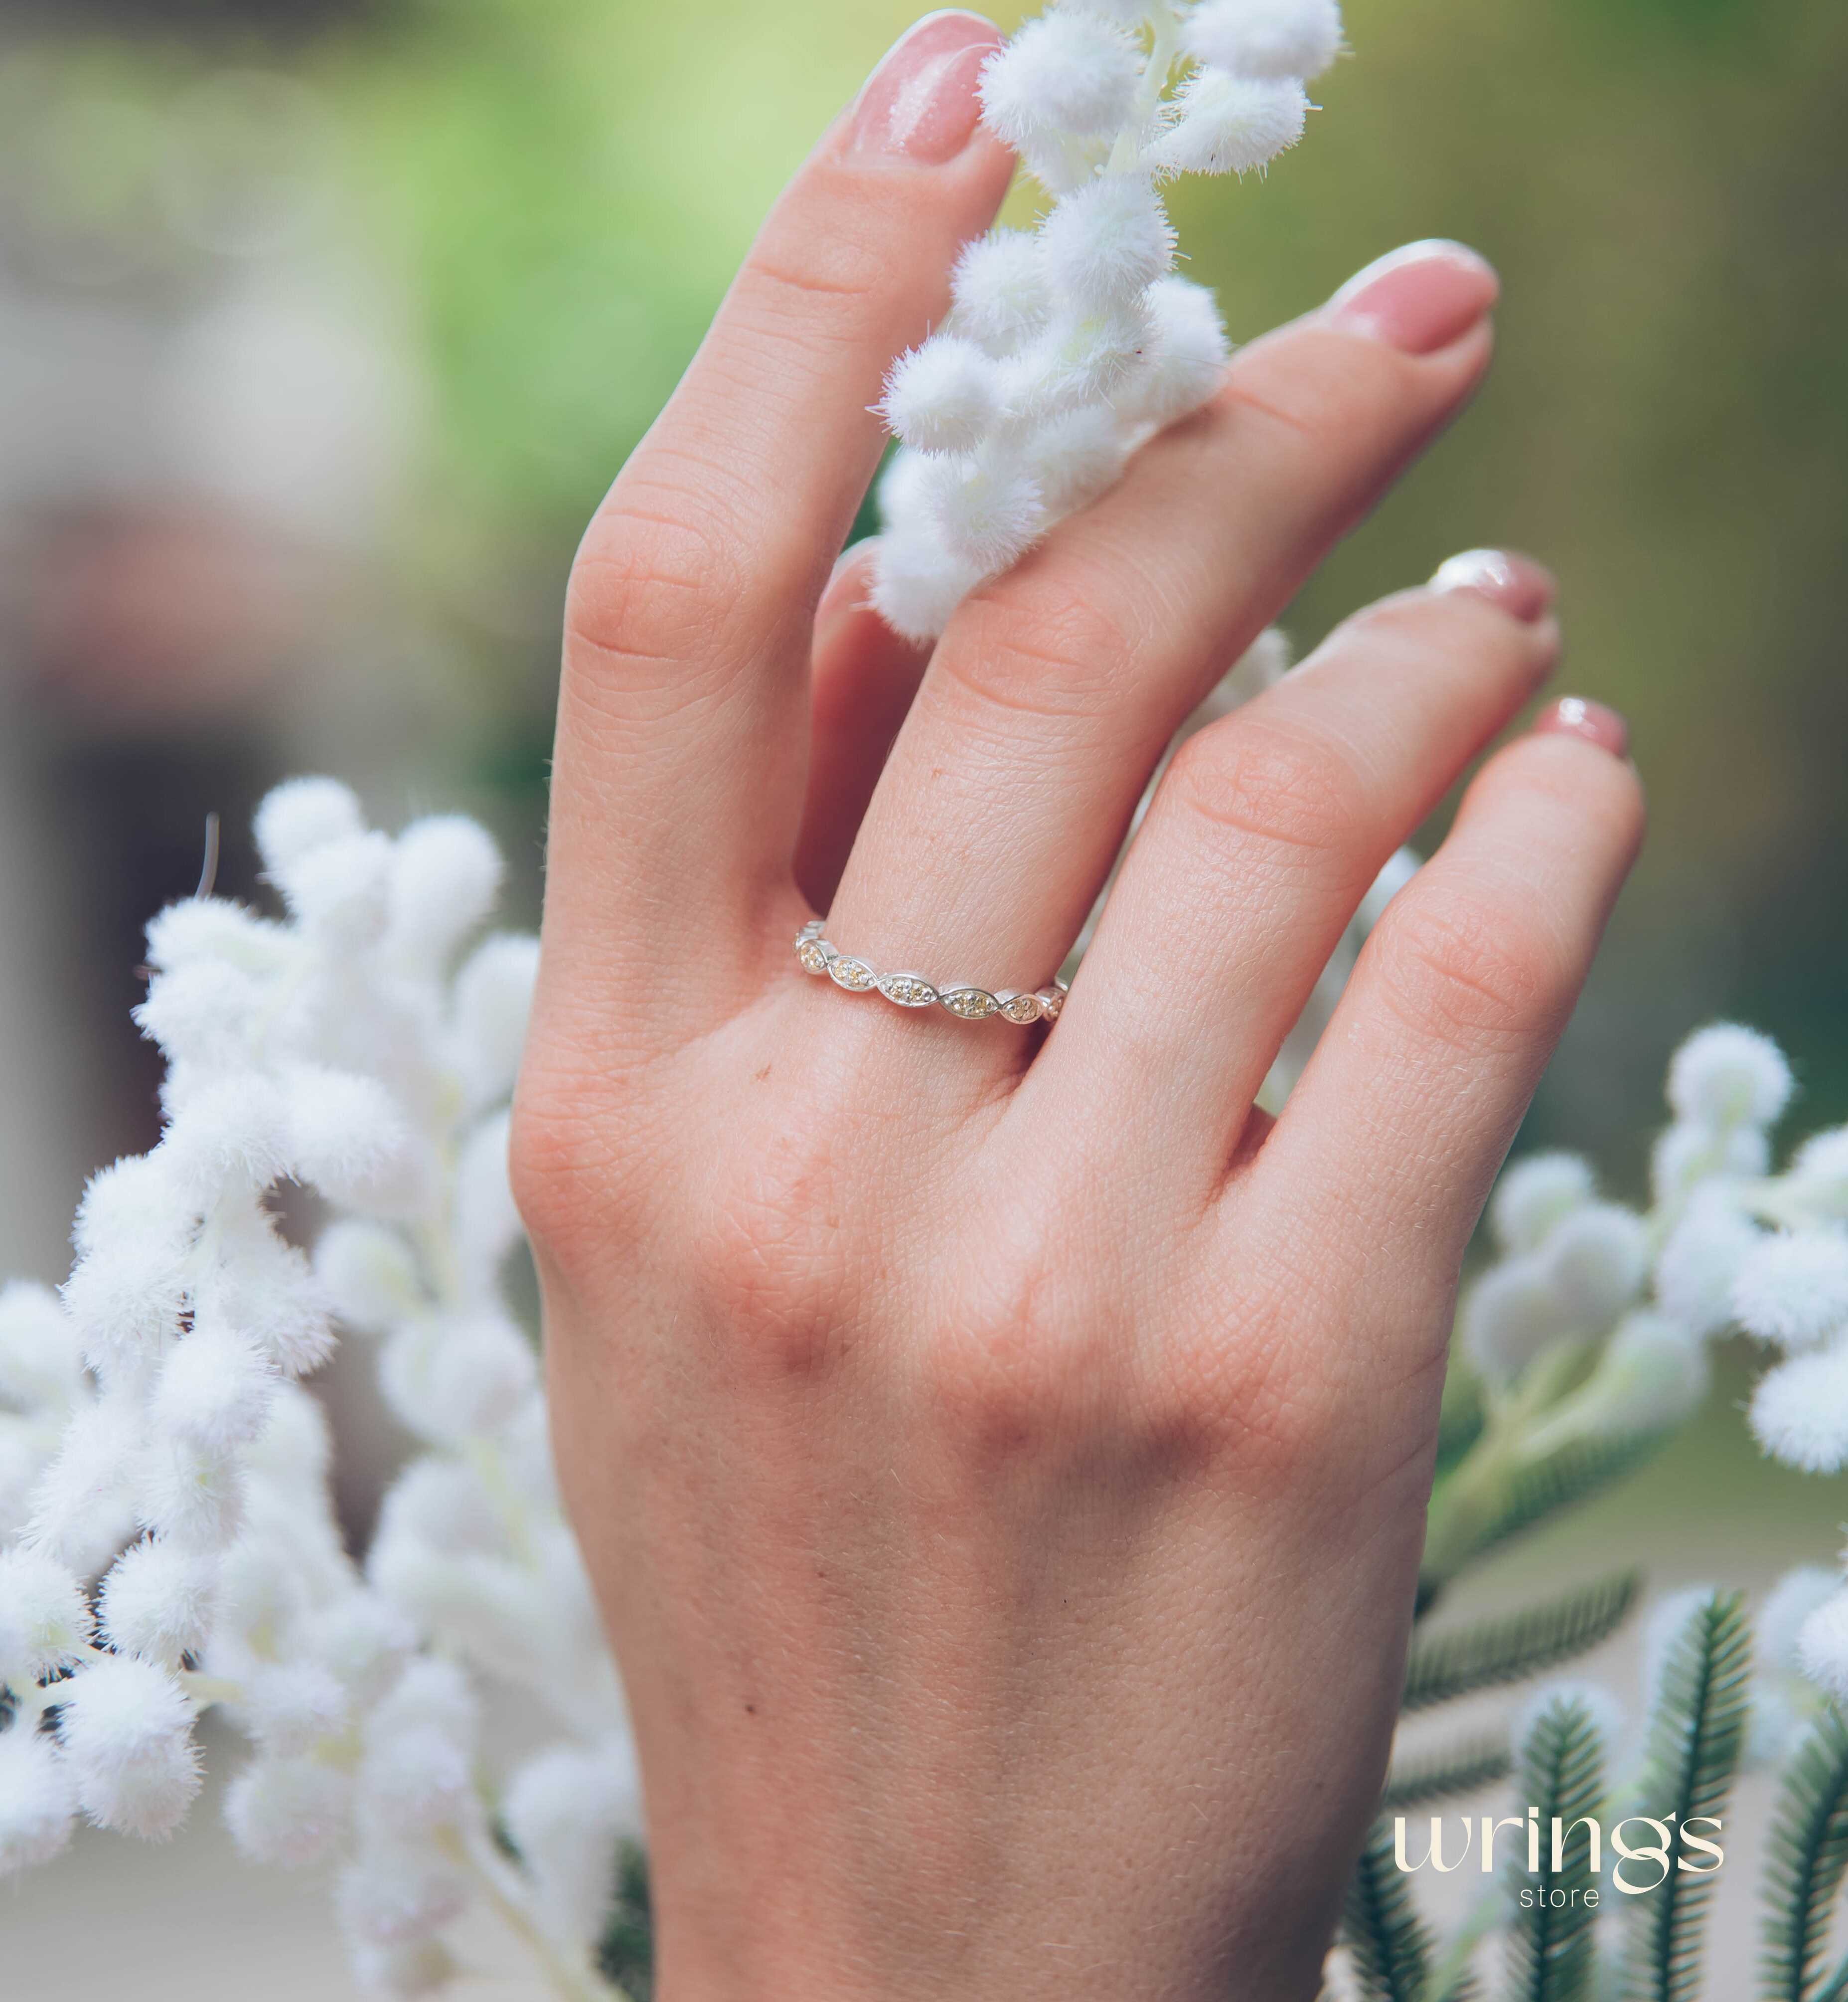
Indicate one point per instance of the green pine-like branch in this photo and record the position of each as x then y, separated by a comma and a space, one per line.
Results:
1809, 1854
1495, 1652
1562, 1774
1457, 1769
1380, 1925
1696, 1733
625, 1953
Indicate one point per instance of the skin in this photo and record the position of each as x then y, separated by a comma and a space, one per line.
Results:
1002, 1456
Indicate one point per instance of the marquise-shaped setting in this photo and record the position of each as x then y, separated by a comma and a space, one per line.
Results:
970, 1004
813, 955
909, 990
854, 974
1020, 1008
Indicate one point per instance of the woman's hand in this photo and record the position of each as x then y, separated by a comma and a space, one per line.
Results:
1002, 1455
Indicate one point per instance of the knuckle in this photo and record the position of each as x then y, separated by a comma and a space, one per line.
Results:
1298, 797
651, 568
565, 1169
1039, 646
1473, 972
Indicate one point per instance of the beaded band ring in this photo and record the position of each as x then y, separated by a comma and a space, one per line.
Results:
966, 1002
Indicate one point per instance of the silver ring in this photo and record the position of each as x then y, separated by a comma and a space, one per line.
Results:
961, 999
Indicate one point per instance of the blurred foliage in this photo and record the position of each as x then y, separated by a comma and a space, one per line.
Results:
559, 190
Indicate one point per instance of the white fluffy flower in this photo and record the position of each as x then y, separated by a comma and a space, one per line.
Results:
83, 1509
40, 1365
1785, 1611
944, 396
445, 876
1510, 1315
156, 1602
1800, 1412
1266, 38
1061, 73
1000, 291
1696, 1269
1075, 457
1186, 358
918, 581
214, 1391
1105, 244
1822, 1646
367, 1274
1651, 1374
38, 1803
398, 1894
1819, 1173
1793, 1288
339, 893
987, 511
566, 1810
291, 1812
126, 1730
1689, 1153
493, 998
44, 1619
350, 1141
303, 815
1229, 124
1728, 1075
1537, 1194
1597, 1257
289, 1708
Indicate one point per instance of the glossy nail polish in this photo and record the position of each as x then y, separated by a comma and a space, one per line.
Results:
921, 103
1521, 587
1418, 299
1574, 716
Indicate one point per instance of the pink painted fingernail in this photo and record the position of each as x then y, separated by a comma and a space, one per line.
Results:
1418, 299
1575, 716
921, 103
1521, 587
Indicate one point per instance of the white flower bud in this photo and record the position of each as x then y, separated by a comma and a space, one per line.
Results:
215, 932
82, 1511
1793, 1288
918, 582
1079, 361
453, 1380
293, 1449
1274, 39
206, 1013
1694, 1274
303, 815
364, 1642
988, 510
288, 1708
999, 287
486, 1224
193, 1498
446, 875
1787, 1607
1727, 1076
1597, 1258
156, 1603
1106, 244
1061, 73
1535, 1194
412, 1779
291, 1812
433, 1693
1075, 457
1822, 1647
368, 1274
38, 1803
566, 1810
348, 1139
1651, 1374
494, 998
1229, 125
944, 396
1512, 1314
395, 1894
1185, 367
1800, 1412
44, 1618
1688, 1154
124, 1302
214, 1390
339, 894
1820, 1172
226, 1131
126, 1728
414, 1967
40, 1366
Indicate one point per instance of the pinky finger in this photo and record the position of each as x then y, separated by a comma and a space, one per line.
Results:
863, 679
1395, 1133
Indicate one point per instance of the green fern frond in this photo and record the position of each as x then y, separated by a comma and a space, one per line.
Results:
1808, 1856
1837, 1990
1495, 1652
1461, 1416
625, 1953
1381, 1926
1696, 1733
1458, 1769
1562, 1774
1475, 1514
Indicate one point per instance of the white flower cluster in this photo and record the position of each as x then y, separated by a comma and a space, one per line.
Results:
1067, 348
1726, 1244
166, 1538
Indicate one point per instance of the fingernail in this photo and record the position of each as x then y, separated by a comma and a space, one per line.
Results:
1521, 587
1575, 716
1418, 299
921, 103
